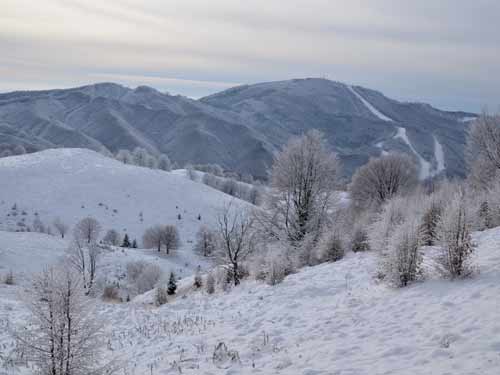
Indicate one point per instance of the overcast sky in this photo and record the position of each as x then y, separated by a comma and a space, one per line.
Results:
445, 52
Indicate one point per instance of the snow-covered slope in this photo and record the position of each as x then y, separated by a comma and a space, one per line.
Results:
329, 319
75, 183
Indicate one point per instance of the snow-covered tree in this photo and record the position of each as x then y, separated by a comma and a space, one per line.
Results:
164, 163
161, 296
210, 283
403, 262
125, 156
38, 225
19, 150
61, 227
83, 257
429, 224
483, 150
206, 241
305, 175
170, 238
381, 179
87, 229
455, 238
152, 237
112, 237
62, 336
235, 239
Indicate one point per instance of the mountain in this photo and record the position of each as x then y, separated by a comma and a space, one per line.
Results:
71, 184
240, 128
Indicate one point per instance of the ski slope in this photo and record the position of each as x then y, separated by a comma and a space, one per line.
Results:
74, 183
425, 166
370, 107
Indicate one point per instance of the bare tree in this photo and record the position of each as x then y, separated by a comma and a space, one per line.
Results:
205, 241
483, 150
83, 257
61, 227
234, 228
152, 238
87, 229
304, 175
381, 179
112, 237
170, 238
62, 337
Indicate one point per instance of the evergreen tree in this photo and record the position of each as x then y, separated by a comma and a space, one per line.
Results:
172, 284
126, 241
134, 244
179, 217
429, 225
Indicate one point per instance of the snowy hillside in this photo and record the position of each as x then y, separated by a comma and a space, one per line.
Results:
329, 319
75, 183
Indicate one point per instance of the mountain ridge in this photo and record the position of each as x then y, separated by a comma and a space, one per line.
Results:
240, 128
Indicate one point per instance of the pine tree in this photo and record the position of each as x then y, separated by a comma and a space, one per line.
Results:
172, 284
429, 225
126, 241
134, 244
179, 217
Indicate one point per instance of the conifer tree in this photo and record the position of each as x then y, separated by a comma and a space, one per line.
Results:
172, 284
484, 215
134, 244
126, 241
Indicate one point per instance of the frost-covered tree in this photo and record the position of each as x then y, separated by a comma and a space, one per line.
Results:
206, 241
429, 224
164, 163
83, 257
235, 239
161, 296
62, 336
359, 240
381, 179
152, 237
403, 262
304, 175
19, 150
87, 229
170, 238
210, 283
484, 216
455, 238
125, 156
140, 156
38, 225
172, 284
61, 227
112, 237
483, 150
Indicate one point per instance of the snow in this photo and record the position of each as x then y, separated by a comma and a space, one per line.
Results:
439, 156
75, 183
329, 319
468, 119
425, 166
370, 107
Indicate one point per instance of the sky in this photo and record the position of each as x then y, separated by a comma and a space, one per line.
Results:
446, 52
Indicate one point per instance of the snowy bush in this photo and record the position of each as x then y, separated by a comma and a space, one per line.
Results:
276, 270
161, 296
112, 237
359, 240
210, 283
403, 261
429, 223
111, 292
455, 239
9, 278
148, 278
332, 249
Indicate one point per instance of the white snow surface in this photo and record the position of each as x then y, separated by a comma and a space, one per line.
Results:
370, 107
439, 156
329, 319
76, 183
425, 166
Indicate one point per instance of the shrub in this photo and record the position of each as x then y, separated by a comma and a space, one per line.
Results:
277, 271
161, 296
404, 259
9, 278
210, 283
333, 249
455, 239
359, 240
111, 292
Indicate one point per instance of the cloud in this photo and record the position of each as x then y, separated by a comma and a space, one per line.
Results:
197, 46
